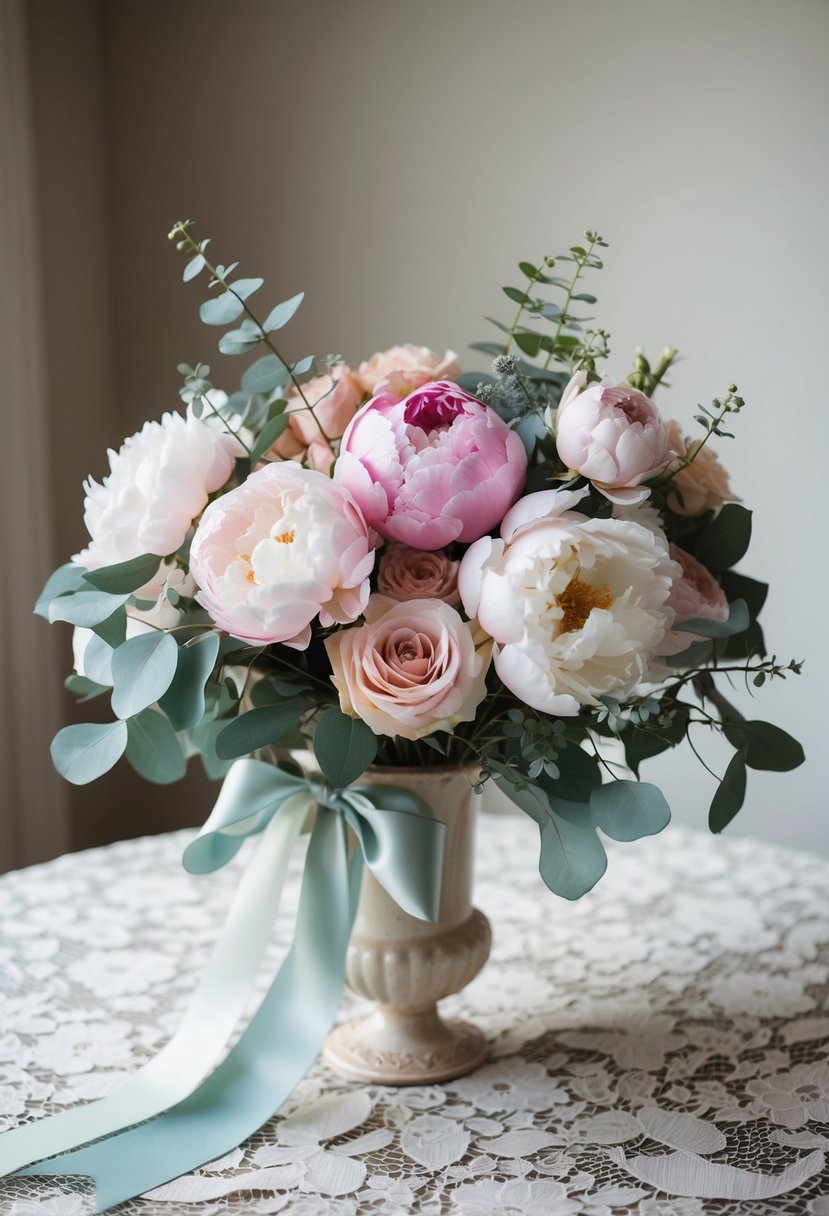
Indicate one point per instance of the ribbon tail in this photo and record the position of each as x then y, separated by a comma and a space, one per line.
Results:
214, 1010
281, 1042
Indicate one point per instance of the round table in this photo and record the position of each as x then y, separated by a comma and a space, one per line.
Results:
658, 1047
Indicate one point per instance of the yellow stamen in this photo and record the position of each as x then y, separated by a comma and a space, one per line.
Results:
285, 538
577, 601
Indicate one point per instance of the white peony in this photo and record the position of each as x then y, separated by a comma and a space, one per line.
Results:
577, 606
158, 484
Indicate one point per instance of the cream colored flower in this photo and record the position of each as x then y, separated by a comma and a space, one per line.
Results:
402, 369
703, 484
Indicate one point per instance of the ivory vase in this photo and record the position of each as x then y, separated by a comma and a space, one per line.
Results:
407, 965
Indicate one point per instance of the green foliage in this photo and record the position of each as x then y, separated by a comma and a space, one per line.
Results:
766, 746
65, 580
730, 793
85, 608
153, 749
258, 728
282, 314
344, 747
725, 539
143, 668
265, 375
268, 436
704, 627
184, 700
83, 752
125, 576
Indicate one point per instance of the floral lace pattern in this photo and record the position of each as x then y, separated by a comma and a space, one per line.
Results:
658, 1048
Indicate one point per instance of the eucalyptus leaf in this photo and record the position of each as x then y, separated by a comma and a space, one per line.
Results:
113, 630
344, 747
730, 793
265, 375
725, 539
282, 314
258, 728
193, 267
87, 750
766, 746
153, 749
221, 310
246, 287
628, 810
84, 688
97, 660
268, 436
184, 701
67, 579
125, 576
143, 668
85, 608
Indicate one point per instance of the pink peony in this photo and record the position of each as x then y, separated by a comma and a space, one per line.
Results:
410, 670
703, 484
402, 369
695, 594
283, 547
412, 574
335, 399
613, 435
437, 467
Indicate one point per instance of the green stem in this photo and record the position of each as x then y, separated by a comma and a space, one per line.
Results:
531, 279
204, 400
580, 265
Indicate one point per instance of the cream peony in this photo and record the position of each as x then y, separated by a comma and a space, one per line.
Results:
703, 484
402, 369
159, 482
281, 548
578, 607
413, 574
411, 669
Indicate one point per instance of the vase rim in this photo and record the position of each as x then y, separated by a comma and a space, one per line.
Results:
409, 770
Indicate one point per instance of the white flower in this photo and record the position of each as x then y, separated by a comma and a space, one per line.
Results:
488, 1198
795, 1097
159, 482
577, 606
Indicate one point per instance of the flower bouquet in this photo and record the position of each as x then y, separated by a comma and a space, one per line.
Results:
332, 585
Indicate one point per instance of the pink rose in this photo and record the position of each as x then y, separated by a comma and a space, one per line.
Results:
695, 594
613, 435
436, 467
412, 574
410, 670
283, 547
703, 484
402, 369
335, 399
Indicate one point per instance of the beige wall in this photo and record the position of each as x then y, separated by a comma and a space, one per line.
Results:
395, 160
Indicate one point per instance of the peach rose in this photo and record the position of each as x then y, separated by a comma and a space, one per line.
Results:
703, 484
335, 398
410, 670
411, 574
402, 369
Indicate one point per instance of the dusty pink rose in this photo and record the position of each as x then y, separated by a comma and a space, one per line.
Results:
436, 467
283, 547
695, 594
703, 484
613, 435
335, 399
413, 574
410, 670
402, 369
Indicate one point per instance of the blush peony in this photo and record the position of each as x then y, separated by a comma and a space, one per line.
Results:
701, 485
696, 593
613, 435
159, 482
413, 574
402, 369
335, 399
283, 547
577, 607
411, 669
436, 467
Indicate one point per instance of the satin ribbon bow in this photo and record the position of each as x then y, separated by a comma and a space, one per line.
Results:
197, 1112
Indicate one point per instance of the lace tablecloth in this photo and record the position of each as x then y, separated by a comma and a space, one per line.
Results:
657, 1048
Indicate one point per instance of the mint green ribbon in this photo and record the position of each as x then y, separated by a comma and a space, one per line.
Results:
402, 844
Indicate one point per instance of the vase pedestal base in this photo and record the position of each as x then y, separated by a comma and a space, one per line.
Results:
404, 1047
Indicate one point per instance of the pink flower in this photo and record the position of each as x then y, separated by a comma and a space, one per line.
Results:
412, 574
410, 670
283, 547
402, 369
695, 594
613, 435
335, 399
703, 484
436, 467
